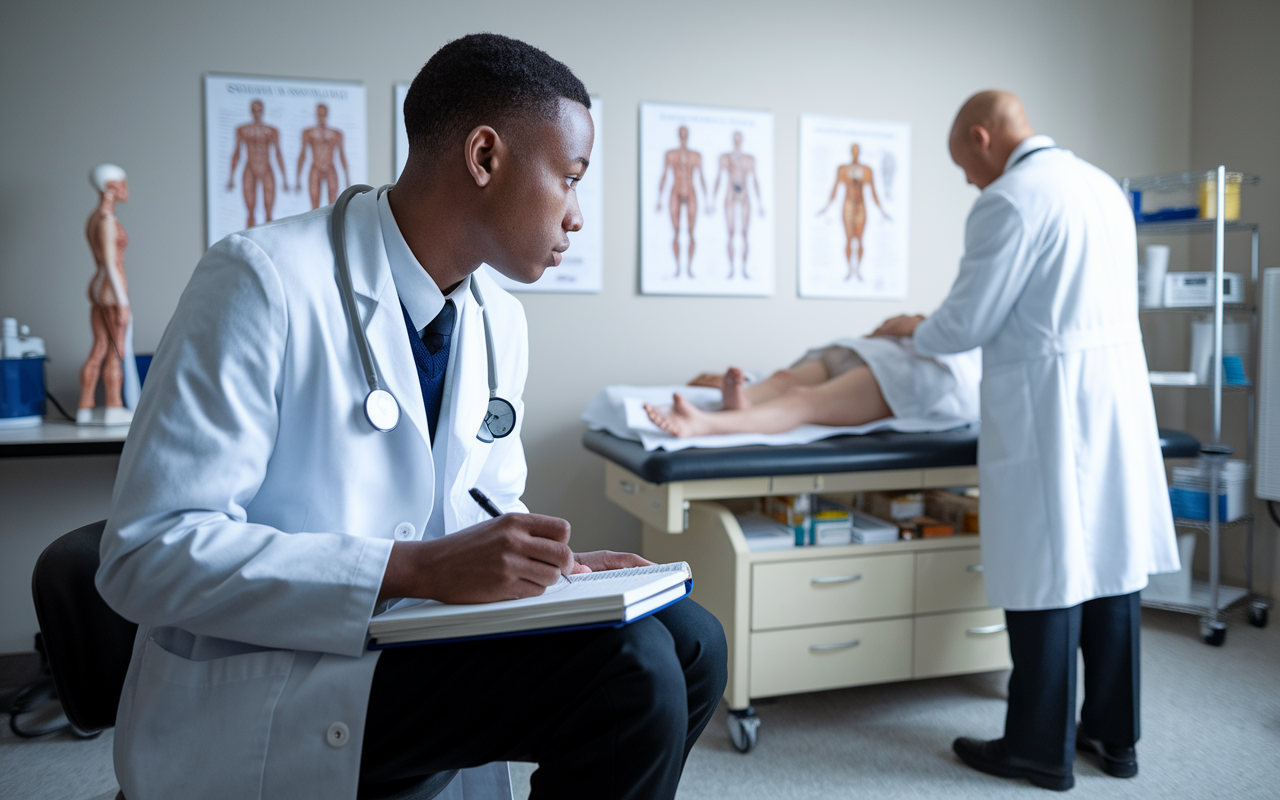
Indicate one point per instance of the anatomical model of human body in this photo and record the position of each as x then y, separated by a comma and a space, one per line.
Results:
322, 140
854, 177
258, 138
740, 167
109, 312
682, 162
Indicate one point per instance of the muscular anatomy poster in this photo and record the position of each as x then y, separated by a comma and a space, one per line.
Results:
706, 201
275, 147
855, 195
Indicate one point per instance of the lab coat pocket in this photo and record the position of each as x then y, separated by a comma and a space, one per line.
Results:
201, 727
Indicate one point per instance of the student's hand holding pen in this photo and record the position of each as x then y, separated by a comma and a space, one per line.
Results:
505, 558
595, 561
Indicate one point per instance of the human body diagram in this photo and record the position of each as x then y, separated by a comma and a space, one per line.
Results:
322, 140
108, 293
854, 176
682, 163
740, 167
258, 138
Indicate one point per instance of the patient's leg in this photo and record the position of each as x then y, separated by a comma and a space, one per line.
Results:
852, 398
739, 394
806, 373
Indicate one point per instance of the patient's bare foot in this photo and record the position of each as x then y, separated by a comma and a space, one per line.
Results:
709, 379
733, 390
684, 418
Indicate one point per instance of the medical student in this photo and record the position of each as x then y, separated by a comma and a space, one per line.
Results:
1075, 510
269, 503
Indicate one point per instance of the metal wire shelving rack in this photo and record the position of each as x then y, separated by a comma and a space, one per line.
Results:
1210, 598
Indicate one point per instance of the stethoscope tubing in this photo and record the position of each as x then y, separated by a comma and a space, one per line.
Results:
338, 240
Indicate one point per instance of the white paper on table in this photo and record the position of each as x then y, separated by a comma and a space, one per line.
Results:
654, 438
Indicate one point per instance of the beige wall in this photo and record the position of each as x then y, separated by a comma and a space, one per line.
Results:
1235, 117
92, 82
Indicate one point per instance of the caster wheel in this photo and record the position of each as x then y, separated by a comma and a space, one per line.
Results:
1213, 633
744, 727
1258, 613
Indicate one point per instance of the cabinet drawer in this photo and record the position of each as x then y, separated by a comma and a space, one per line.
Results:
828, 656
960, 642
949, 580
830, 590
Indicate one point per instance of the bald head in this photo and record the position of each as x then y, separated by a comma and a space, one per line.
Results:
987, 129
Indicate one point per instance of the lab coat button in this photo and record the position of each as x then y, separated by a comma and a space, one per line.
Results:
338, 734
404, 531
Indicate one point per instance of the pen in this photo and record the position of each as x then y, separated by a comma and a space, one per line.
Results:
484, 502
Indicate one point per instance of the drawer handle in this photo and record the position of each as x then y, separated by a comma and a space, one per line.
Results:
837, 646
628, 487
836, 579
973, 568
987, 629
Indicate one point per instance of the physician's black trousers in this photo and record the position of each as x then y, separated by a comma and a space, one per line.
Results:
1041, 723
608, 713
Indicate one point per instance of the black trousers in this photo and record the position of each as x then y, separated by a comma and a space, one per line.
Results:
609, 713
1041, 723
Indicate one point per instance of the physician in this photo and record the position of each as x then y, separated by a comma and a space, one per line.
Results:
1075, 510
286, 478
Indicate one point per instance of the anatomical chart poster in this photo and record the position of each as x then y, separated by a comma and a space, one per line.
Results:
707, 207
855, 195
275, 147
581, 269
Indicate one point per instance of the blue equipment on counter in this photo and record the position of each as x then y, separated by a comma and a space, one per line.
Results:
21, 392
21, 376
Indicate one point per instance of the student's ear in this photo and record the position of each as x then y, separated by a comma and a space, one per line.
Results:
483, 151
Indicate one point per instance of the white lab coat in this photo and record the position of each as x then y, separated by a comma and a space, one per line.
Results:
1074, 501
255, 509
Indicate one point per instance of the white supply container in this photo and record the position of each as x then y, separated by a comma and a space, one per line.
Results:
1235, 342
1154, 268
765, 533
1175, 586
871, 530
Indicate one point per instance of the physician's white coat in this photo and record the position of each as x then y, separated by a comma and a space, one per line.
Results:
1074, 501
255, 509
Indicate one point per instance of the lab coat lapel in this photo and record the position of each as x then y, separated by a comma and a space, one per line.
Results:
380, 308
468, 406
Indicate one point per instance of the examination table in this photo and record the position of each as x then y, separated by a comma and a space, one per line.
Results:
811, 618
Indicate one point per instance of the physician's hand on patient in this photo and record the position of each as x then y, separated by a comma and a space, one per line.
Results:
901, 325
505, 558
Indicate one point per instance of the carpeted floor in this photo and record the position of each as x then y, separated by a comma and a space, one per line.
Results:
1211, 728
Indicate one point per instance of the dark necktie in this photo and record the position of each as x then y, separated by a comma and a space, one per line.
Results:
431, 354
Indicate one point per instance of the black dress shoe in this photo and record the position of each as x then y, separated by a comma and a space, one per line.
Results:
1122, 762
993, 758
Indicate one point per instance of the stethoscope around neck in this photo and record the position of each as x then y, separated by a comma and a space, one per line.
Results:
380, 406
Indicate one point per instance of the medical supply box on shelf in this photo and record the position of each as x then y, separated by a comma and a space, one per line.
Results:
1189, 492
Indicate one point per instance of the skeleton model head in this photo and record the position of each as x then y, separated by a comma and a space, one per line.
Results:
110, 178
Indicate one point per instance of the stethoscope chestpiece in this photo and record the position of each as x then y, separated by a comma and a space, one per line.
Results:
499, 420
382, 410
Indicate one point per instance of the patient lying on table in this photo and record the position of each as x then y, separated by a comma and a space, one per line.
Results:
851, 382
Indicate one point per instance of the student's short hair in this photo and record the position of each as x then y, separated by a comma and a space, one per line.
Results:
483, 79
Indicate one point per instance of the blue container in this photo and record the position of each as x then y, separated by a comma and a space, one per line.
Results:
1190, 504
21, 389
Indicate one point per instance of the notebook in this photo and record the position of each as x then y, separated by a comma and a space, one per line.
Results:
592, 600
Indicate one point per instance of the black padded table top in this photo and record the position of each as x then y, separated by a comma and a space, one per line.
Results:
873, 451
